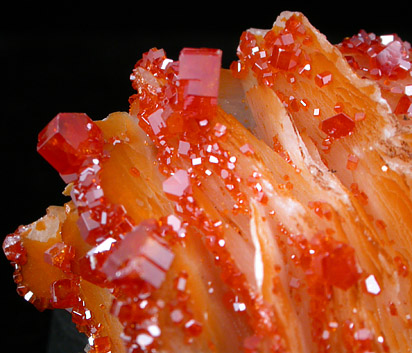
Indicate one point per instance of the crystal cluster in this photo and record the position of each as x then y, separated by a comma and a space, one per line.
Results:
195, 139
287, 60
386, 59
235, 232
283, 52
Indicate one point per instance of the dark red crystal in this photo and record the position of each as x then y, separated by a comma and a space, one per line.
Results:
68, 140
338, 126
141, 255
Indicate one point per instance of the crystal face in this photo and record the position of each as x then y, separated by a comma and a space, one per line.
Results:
64, 293
177, 184
338, 126
323, 79
404, 106
60, 255
339, 266
140, 255
68, 140
201, 68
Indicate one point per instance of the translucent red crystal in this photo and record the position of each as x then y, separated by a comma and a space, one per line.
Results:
201, 68
193, 328
323, 78
338, 126
156, 121
141, 255
60, 255
177, 184
68, 140
14, 250
64, 293
339, 265
404, 106
387, 60
101, 345
393, 56
284, 59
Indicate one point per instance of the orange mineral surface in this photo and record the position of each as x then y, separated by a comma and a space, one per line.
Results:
265, 208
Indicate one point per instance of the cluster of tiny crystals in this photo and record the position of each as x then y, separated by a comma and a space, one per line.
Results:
282, 52
385, 59
180, 117
73, 144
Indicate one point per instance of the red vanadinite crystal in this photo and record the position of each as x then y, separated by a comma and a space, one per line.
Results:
68, 140
404, 106
201, 69
284, 59
323, 78
141, 255
338, 126
98, 218
60, 255
14, 249
339, 265
177, 184
101, 345
64, 293
386, 59
193, 328
393, 57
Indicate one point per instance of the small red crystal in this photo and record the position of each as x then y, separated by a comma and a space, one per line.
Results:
14, 250
339, 266
96, 224
193, 328
404, 106
338, 126
102, 345
87, 224
283, 59
392, 57
60, 255
246, 149
177, 184
156, 121
140, 255
68, 140
64, 293
323, 78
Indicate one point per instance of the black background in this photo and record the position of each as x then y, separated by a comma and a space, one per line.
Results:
69, 57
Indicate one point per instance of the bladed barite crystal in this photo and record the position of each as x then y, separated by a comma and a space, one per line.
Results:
187, 233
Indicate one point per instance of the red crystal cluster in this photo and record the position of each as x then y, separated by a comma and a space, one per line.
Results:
133, 259
386, 59
74, 145
98, 218
284, 53
180, 117
388, 56
177, 108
